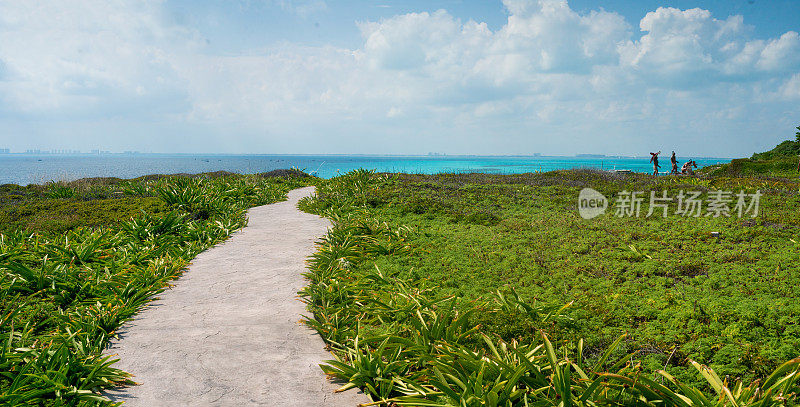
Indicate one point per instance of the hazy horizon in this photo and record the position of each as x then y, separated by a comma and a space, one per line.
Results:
512, 77
426, 155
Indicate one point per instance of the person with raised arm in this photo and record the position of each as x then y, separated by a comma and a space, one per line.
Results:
654, 160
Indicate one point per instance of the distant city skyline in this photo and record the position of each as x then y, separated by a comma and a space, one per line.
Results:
64, 151
706, 78
428, 154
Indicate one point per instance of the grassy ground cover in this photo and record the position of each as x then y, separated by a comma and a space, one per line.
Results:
481, 289
781, 168
79, 259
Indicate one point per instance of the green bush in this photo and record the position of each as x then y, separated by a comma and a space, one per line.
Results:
787, 148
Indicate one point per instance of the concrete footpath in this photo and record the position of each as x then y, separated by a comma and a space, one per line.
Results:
228, 332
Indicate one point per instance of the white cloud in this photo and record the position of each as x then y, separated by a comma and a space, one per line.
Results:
550, 80
691, 48
554, 38
303, 7
412, 41
782, 54
791, 89
88, 56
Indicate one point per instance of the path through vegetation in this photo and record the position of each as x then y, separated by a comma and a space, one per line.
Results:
228, 333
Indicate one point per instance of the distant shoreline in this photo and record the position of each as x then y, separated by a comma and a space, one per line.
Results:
439, 156
22, 169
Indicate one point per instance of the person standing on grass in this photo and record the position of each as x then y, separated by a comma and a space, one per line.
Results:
654, 160
674, 161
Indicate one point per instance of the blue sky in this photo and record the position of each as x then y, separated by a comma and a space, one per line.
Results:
255, 23
718, 78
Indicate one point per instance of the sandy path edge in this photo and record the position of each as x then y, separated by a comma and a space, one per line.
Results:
227, 333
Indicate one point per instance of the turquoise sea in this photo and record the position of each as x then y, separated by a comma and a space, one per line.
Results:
26, 169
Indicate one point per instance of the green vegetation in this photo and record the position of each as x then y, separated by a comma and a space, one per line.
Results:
787, 148
79, 259
782, 168
490, 290
434, 290
782, 162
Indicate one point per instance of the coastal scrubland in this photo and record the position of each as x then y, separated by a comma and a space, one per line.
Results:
478, 289
435, 290
783, 161
78, 259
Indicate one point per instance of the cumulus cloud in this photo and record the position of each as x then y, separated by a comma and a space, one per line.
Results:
554, 38
782, 54
691, 47
551, 79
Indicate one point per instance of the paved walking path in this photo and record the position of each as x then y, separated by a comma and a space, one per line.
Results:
228, 333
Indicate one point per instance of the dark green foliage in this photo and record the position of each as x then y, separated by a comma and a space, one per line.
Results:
78, 260
60, 207
61, 215
777, 168
787, 148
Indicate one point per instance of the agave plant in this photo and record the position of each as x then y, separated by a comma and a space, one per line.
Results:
57, 190
133, 188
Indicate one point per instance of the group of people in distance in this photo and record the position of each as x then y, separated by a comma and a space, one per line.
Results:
686, 169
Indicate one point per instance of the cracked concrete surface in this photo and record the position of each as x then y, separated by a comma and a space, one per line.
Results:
228, 332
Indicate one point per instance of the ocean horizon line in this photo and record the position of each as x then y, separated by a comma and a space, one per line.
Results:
440, 155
